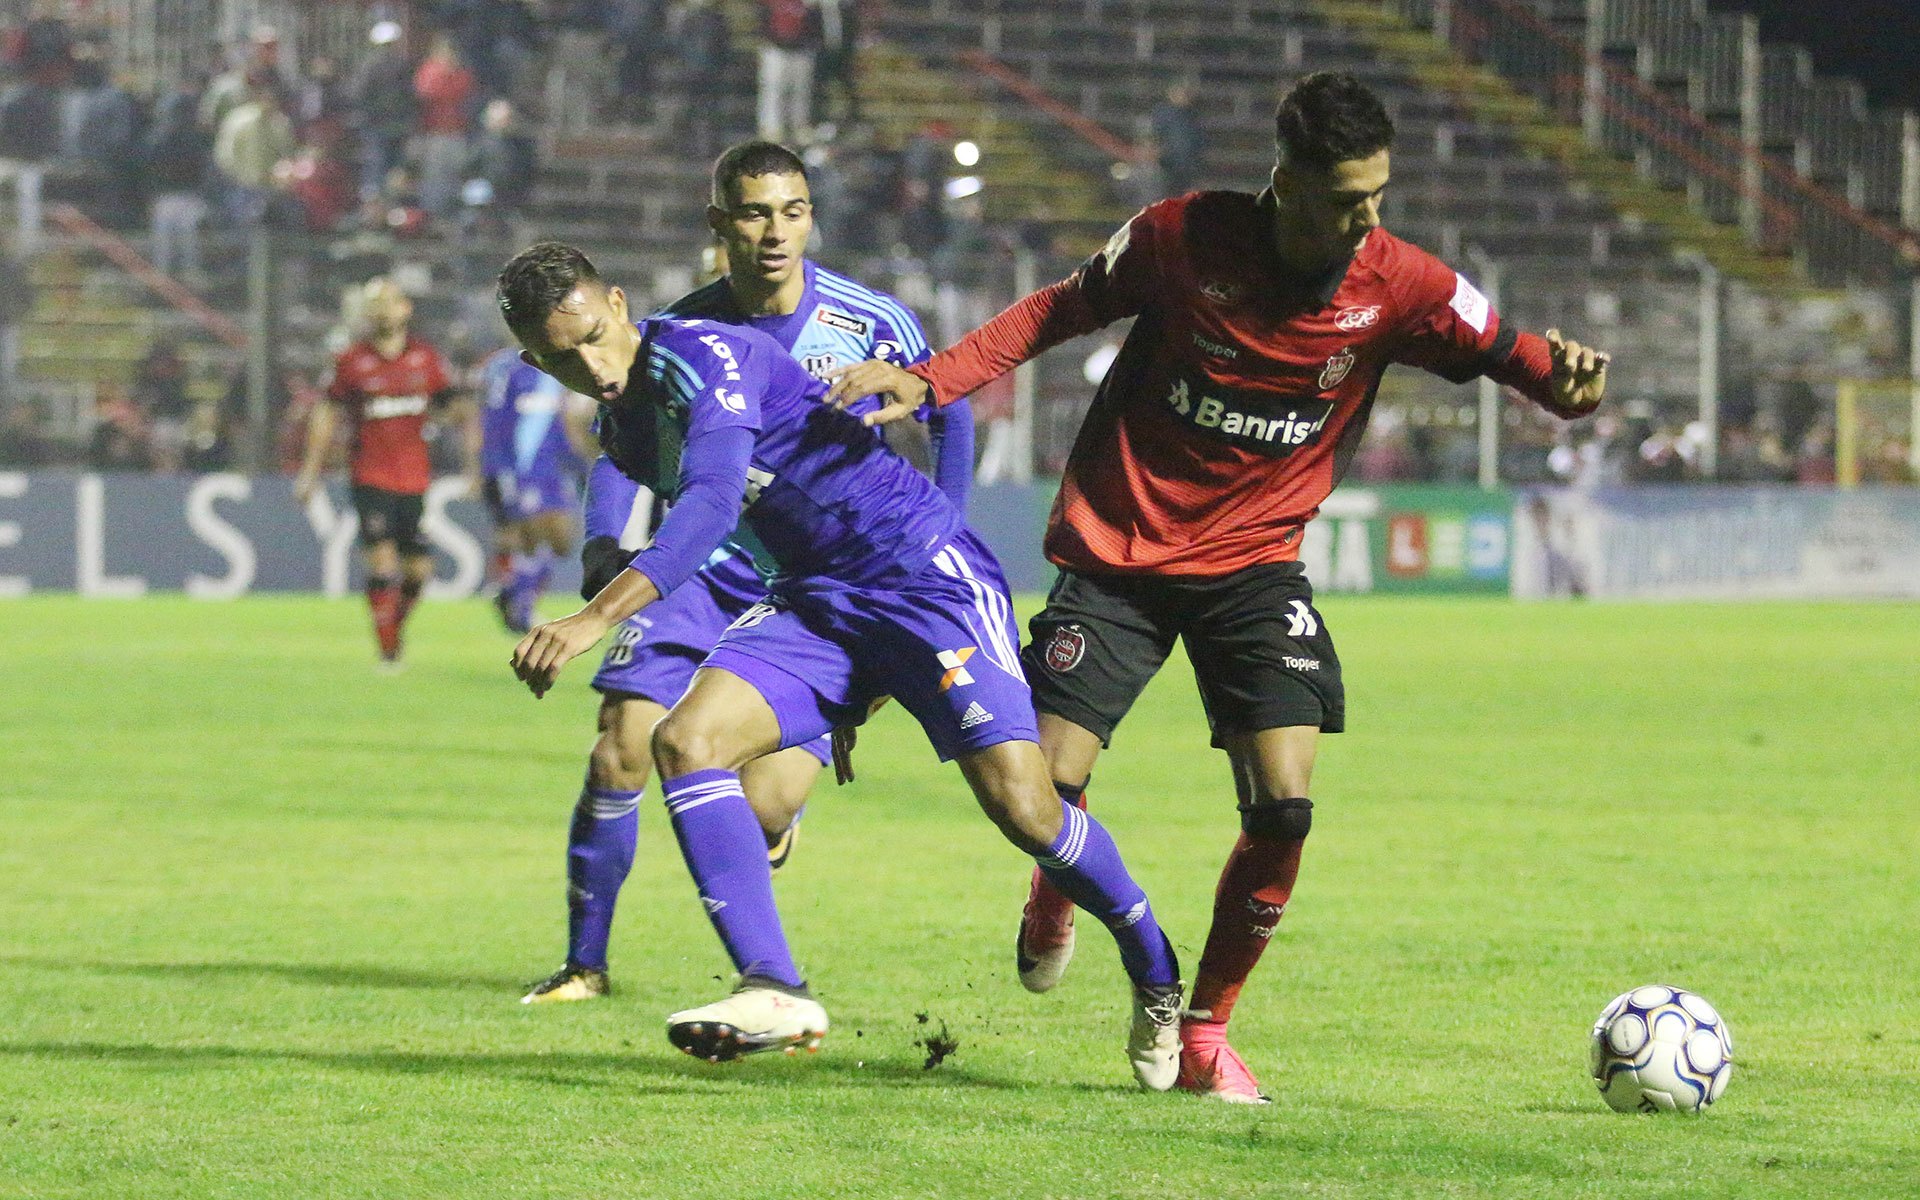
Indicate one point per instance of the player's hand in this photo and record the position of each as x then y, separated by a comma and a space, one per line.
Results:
901, 392
540, 655
842, 743
1579, 375
304, 485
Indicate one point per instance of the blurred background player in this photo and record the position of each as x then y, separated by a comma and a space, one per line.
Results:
1234, 406
882, 590
386, 387
762, 216
536, 441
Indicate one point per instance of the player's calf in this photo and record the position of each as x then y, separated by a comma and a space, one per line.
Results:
1252, 895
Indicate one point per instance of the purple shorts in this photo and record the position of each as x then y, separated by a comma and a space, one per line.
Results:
944, 644
655, 652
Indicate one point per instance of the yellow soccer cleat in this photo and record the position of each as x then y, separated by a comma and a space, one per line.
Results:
571, 982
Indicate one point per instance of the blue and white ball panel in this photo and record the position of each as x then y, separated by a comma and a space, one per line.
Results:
1661, 1049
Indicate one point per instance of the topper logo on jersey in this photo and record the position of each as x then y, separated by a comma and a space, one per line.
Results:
380, 408
887, 351
1336, 369
1359, 317
842, 321
733, 402
1270, 434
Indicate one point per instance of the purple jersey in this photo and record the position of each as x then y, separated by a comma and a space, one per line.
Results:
524, 450
819, 490
837, 323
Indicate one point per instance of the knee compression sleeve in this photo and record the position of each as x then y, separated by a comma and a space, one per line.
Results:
1277, 820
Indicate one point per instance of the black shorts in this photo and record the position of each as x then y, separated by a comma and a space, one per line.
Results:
1261, 654
390, 517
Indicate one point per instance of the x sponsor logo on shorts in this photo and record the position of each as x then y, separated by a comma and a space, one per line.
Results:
955, 663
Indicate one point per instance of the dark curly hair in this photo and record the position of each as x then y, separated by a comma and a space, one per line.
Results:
1330, 117
536, 280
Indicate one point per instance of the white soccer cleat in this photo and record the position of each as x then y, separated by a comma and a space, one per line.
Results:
1153, 1044
751, 1020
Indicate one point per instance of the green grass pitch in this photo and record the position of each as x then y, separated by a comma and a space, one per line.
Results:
265, 915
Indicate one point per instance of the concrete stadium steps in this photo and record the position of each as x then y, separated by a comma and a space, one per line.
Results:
1022, 167
92, 325
1113, 61
1666, 214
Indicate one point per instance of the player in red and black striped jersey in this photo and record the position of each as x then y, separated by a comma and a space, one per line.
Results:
386, 387
1263, 326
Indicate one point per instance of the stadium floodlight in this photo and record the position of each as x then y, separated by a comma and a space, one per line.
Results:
967, 154
964, 185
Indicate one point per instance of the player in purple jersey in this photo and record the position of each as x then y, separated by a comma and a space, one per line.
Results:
761, 211
881, 589
535, 440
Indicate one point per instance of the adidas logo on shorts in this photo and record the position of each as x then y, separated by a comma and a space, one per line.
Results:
975, 715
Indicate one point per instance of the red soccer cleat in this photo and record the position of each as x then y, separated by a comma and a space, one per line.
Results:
1209, 1066
1045, 945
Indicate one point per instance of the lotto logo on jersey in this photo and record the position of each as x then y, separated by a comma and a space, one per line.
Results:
1358, 317
955, 663
1269, 433
723, 352
381, 408
753, 616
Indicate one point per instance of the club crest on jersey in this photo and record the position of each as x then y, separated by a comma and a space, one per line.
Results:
1066, 648
1218, 292
1359, 317
842, 321
1336, 369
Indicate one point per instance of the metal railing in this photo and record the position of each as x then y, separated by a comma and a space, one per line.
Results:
1747, 131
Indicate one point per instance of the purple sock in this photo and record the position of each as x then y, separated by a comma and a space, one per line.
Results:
531, 573
527, 580
1085, 865
606, 824
721, 840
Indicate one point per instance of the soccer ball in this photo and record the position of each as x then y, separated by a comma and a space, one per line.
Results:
1660, 1049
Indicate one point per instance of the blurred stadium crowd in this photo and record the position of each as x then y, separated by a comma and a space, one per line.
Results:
425, 137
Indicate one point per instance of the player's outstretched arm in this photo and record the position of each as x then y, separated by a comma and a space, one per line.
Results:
1579, 375
547, 648
901, 392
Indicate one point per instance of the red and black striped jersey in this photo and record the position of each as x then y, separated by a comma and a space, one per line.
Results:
1241, 391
